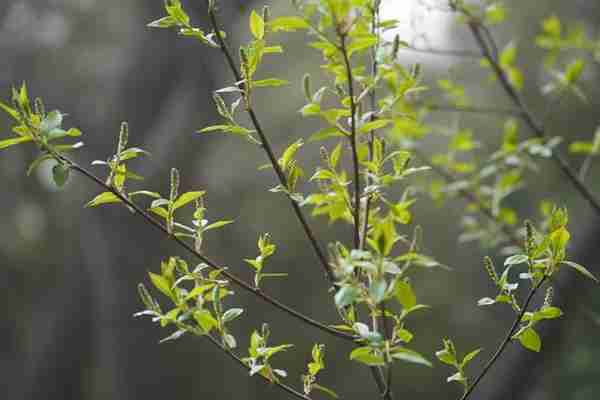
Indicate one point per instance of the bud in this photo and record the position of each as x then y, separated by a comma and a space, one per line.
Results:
243, 57
306, 86
146, 298
266, 14
324, 155
39, 107
491, 270
529, 237
549, 296
123, 137
174, 183
396, 47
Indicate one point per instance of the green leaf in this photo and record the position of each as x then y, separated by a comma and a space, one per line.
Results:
287, 24
581, 269
164, 22
346, 296
10, 111
530, 339
257, 25
187, 198
271, 82
548, 312
469, 357
52, 121
377, 290
516, 259
325, 390
103, 198
408, 355
161, 283
446, 357
11, 142
217, 224
232, 314
60, 174
405, 295
362, 43
205, 320
365, 355
326, 133
574, 70
374, 125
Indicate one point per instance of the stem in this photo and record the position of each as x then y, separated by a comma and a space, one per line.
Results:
239, 282
373, 106
269, 150
538, 129
353, 140
506, 340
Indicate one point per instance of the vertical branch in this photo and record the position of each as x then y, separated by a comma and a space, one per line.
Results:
373, 107
353, 139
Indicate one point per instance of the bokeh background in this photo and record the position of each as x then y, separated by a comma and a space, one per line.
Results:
68, 274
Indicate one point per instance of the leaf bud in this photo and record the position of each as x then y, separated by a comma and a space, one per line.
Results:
39, 107
306, 87
174, 183
266, 14
491, 270
549, 296
123, 137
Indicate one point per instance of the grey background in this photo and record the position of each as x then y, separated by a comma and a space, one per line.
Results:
68, 274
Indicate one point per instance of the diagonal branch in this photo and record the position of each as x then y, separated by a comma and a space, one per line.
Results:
280, 385
268, 149
480, 33
239, 282
505, 341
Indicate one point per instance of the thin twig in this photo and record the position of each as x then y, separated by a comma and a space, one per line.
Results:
373, 106
505, 341
239, 282
353, 140
269, 150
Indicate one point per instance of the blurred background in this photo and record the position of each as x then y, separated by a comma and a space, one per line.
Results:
68, 275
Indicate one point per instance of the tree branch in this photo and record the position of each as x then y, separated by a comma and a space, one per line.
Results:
479, 31
353, 140
239, 282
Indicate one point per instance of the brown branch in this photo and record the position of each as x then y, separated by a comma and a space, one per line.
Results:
353, 139
213, 265
234, 357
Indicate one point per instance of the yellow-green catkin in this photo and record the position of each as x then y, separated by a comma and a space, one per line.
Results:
491, 270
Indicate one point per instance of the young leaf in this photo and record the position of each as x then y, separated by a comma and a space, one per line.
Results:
257, 25
103, 198
530, 339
